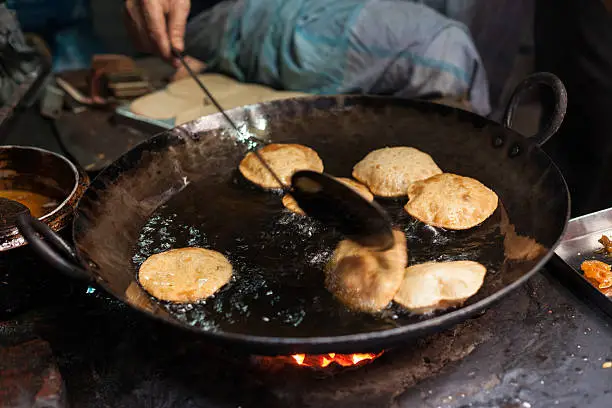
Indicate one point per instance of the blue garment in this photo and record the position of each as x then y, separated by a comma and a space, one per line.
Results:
388, 47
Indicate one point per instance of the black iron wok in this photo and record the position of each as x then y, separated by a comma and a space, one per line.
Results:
182, 188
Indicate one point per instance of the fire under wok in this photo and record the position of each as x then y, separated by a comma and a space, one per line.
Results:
182, 188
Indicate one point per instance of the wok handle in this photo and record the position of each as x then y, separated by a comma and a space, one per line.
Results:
50, 246
556, 119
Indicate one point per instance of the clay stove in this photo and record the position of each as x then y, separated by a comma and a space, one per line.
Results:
361, 380
157, 366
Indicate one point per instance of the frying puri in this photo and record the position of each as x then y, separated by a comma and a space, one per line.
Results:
388, 172
364, 279
184, 275
292, 205
451, 201
284, 159
433, 286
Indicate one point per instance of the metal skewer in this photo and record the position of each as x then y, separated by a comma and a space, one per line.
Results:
193, 75
323, 197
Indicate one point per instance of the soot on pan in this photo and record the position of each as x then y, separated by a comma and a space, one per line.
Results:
278, 257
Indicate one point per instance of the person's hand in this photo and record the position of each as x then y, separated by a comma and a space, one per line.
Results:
158, 25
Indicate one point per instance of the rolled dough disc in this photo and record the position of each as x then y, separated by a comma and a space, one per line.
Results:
247, 95
161, 105
219, 85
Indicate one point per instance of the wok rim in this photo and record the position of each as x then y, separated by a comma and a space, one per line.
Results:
318, 344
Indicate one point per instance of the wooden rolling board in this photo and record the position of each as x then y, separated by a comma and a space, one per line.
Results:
183, 101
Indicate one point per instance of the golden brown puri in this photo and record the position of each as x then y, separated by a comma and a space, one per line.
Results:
139, 298
184, 275
451, 201
284, 159
292, 205
366, 280
439, 285
518, 247
388, 172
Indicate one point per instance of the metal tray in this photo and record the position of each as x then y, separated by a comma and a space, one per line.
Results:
126, 116
578, 244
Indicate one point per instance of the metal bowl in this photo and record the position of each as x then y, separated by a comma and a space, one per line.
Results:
47, 174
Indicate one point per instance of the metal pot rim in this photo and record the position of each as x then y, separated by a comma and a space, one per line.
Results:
12, 238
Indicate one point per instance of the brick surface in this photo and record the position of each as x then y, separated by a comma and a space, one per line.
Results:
29, 377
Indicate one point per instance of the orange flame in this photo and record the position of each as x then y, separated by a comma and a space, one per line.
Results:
324, 360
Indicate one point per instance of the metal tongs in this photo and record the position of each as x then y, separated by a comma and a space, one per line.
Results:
321, 196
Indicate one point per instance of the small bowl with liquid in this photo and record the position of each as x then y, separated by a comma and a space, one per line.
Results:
45, 182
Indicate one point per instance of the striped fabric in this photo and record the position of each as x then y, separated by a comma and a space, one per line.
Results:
390, 47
